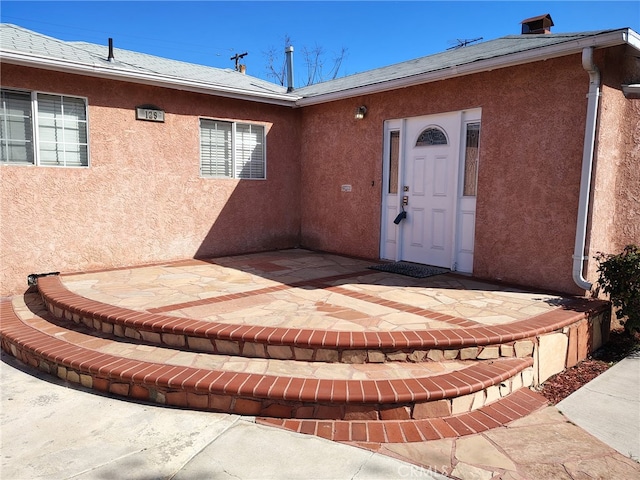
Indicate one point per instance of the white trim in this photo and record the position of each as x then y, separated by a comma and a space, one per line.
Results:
114, 73
111, 71
387, 198
472, 115
631, 91
632, 38
234, 148
538, 54
35, 128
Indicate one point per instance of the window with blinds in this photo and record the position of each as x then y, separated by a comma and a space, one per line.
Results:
215, 149
16, 128
62, 131
43, 129
232, 150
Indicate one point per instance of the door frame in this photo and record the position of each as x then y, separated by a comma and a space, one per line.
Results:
391, 236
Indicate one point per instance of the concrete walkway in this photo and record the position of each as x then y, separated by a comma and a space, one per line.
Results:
50, 430
53, 430
608, 407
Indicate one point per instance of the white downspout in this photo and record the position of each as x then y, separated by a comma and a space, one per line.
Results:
587, 164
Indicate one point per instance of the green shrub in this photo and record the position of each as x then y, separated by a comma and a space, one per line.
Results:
619, 276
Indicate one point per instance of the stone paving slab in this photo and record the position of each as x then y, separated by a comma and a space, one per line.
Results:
512, 452
541, 446
30, 307
182, 385
316, 290
52, 431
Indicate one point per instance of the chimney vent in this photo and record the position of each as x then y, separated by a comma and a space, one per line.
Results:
289, 57
111, 58
539, 24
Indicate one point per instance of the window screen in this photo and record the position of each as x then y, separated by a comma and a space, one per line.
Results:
16, 128
231, 150
215, 149
62, 131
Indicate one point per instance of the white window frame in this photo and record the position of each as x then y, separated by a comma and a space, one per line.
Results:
35, 130
235, 149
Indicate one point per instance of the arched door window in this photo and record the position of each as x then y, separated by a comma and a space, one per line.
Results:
431, 136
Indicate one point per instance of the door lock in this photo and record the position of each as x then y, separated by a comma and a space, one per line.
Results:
405, 200
406, 188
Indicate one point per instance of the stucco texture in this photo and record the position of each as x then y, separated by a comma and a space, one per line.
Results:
529, 174
142, 199
615, 205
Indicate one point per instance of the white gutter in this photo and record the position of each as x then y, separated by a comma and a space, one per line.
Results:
618, 37
587, 165
159, 80
631, 91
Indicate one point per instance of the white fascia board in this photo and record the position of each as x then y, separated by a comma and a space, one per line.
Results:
632, 38
154, 79
618, 37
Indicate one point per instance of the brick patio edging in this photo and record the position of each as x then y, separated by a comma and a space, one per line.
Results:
375, 432
517, 339
264, 395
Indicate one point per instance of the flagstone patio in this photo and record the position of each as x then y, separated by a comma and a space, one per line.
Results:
314, 342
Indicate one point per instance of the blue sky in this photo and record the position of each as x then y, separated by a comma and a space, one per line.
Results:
375, 34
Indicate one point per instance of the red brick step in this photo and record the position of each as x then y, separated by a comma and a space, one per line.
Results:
304, 344
243, 393
515, 406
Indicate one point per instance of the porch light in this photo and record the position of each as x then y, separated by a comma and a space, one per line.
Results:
361, 111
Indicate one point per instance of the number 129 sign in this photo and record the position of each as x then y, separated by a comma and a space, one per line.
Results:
149, 114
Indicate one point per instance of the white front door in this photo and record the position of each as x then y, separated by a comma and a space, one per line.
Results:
429, 189
428, 165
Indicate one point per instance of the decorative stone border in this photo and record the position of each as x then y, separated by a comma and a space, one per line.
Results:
518, 339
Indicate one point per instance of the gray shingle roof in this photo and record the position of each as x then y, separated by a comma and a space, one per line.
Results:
491, 49
88, 56
17, 39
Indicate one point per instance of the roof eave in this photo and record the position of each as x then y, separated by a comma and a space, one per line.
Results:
114, 73
617, 37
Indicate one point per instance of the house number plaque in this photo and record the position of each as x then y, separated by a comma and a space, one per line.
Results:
150, 113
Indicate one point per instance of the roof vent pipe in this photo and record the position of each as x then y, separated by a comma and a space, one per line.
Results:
289, 58
111, 58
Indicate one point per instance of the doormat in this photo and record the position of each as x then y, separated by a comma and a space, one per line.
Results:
410, 269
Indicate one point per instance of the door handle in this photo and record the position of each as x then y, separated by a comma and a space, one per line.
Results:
405, 200
401, 216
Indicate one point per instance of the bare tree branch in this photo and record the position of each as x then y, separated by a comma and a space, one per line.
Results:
276, 62
314, 61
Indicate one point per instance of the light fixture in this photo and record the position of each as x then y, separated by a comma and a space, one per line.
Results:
361, 111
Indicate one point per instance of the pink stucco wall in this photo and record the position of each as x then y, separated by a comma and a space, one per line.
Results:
142, 199
615, 206
531, 151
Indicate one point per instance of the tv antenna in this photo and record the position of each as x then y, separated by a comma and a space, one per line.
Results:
237, 57
464, 42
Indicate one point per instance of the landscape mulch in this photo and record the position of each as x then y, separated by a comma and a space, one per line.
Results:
619, 346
